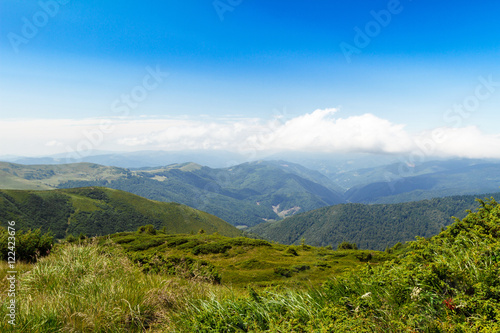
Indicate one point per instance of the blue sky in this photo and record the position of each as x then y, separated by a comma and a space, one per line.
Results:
237, 68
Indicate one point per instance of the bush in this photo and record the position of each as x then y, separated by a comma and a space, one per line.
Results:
70, 239
244, 241
186, 267
364, 257
147, 229
144, 243
292, 251
28, 246
210, 248
285, 272
300, 268
347, 246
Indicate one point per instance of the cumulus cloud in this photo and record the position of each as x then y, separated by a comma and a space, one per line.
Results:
320, 131
316, 131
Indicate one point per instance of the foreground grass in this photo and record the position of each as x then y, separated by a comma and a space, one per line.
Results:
20, 268
92, 288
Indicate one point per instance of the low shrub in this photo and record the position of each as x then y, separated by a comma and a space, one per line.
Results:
285, 272
292, 251
347, 246
27, 245
300, 268
147, 229
185, 267
145, 243
210, 248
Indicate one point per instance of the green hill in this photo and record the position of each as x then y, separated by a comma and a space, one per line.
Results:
101, 211
369, 226
243, 195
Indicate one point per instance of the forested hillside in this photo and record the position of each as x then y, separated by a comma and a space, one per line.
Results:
101, 211
369, 226
245, 194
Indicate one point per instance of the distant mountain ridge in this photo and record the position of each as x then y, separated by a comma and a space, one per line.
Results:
135, 160
430, 180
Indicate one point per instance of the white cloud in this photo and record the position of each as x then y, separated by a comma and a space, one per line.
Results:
467, 142
54, 143
320, 130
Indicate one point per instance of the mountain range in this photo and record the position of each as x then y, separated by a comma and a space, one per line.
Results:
243, 195
402, 183
255, 192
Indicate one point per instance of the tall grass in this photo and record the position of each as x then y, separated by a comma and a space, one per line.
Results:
458, 290
91, 288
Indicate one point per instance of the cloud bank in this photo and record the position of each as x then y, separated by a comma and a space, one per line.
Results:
319, 131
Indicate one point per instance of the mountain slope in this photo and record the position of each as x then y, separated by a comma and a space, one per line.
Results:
101, 211
246, 194
369, 226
